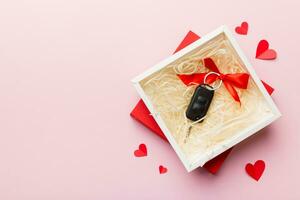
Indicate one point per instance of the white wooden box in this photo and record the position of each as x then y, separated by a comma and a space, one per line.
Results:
208, 140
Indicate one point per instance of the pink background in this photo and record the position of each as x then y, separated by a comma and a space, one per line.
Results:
65, 99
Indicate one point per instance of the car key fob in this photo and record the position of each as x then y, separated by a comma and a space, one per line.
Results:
200, 102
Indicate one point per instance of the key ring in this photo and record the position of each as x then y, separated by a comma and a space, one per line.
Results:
212, 87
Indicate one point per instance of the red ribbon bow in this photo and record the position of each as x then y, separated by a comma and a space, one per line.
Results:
239, 80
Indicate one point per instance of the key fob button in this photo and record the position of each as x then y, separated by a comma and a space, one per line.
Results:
197, 106
201, 100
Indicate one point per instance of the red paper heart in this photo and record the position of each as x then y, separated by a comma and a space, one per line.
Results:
263, 52
256, 170
142, 151
162, 169
243, 29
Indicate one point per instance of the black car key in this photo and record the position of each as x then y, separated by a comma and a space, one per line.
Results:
200, 102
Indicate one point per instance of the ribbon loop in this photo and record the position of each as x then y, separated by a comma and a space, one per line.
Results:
238, 80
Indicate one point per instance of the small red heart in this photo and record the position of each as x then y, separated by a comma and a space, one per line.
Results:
263, 52
162, 169
142, 151
256, 170
243, 29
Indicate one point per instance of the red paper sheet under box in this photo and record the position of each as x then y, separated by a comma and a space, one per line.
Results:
142, 114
